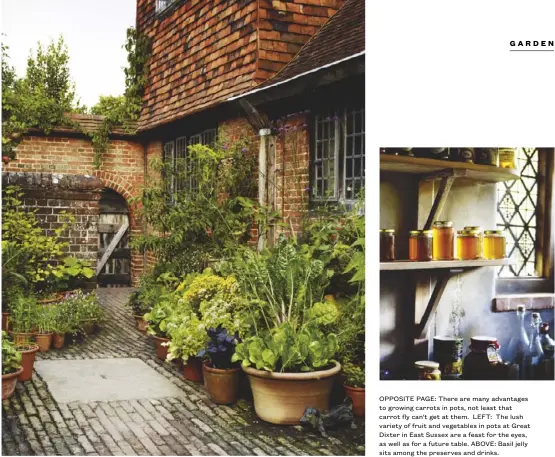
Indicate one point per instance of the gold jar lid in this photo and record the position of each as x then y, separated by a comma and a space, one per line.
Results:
494, 232
415, 232
467, 232
426, 365
473, 227
387, 230
443, 224
426, 233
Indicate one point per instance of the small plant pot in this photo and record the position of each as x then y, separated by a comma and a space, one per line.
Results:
161, 351
192, 370
221, 385
6, 321
28, 354
44, 341
88, 327
9, 381
357, 395
140, 323
58, 340
55, 298
22, 337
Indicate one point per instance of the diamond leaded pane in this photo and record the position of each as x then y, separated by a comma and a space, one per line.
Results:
516, 215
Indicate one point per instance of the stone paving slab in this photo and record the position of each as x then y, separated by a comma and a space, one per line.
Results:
103, 380
36, 422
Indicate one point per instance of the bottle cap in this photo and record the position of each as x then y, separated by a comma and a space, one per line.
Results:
427, 233
521, 308
387, 230
473, 227
443, 224
415, 232
494, 232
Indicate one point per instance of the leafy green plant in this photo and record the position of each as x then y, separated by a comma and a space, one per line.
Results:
24, 316
14, 260
354, 375
70, 273
11, 357
45, 318
64, 319
188, 336
76, 311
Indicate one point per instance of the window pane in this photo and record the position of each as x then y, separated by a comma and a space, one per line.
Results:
516, 215
354, 154
325, 163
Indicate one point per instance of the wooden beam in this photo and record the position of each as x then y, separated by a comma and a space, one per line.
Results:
117, 238
442, 280
255, 118
439, 200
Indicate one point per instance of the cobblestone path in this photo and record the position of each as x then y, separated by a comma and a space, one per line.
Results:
33, 423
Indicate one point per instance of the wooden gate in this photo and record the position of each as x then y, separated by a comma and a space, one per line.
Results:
114, 255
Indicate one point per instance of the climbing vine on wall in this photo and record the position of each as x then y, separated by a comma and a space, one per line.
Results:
126, 109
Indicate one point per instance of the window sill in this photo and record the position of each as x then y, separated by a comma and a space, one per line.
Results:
532, 302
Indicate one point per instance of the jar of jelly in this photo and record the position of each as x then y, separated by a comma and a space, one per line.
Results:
495, 244
507, 158
413, 245
425, 246
478, 229
462, 155
487, 156
468, 244
387, 245
427, 370
448, 353
483, 362
443, 240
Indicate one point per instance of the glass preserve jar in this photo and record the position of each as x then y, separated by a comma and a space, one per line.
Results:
443, 240
483, 362
413, 245
507, 158
478, 229
425, 246
448, 353
427, 370
495, 244
468, 245
462, 155
487, 156
387, 245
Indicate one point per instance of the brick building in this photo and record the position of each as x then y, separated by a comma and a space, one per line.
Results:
234, 67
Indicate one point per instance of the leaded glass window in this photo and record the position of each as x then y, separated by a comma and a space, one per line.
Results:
516, 215
338, 158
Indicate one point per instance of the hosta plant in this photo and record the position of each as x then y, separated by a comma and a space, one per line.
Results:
11, 357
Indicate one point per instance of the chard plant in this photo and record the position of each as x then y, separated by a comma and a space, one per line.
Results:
11, 357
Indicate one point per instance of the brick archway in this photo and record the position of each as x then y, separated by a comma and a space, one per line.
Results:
127, 191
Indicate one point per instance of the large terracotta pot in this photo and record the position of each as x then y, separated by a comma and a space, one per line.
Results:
6, 321
28, 354
222, 385
22, 337
9, 381
192, 370
141, 324
58, 340
161, 351
44, 340
357, 395
281, 398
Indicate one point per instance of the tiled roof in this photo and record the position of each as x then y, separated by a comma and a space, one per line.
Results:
340, 37
204, 52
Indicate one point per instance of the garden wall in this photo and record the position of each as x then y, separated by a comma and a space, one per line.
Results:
72, 153
51, 195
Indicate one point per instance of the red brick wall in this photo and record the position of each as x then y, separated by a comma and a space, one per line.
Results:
122, 168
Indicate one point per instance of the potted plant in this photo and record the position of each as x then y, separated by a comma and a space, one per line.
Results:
188, 338
11, 366
139, 309
63, 323
24, 319
156, 327
85, 310
290, 358
354, 387
221, 376
45, 320
28, 353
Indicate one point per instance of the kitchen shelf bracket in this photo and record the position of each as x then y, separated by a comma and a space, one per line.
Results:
447, 179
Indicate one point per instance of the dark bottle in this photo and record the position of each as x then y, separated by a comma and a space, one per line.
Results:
548, 345
519, 345
536, 351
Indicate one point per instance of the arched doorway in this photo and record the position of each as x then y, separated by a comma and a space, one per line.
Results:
114, 255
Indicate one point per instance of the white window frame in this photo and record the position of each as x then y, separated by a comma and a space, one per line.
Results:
163, 5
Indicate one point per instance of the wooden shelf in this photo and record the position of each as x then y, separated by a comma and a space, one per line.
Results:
422, 166
442, 264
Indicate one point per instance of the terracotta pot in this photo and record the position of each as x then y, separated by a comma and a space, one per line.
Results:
22, 337
192, 370
357, 395
161, 351
6, 321
141, 324
44, 340
28, 354
222, 385
9, 381
50, 300
58, 339
281, 398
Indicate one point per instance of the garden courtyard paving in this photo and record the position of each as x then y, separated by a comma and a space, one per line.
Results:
140, 406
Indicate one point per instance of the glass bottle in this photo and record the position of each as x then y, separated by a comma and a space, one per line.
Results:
536, 350
519, 346
387, 245
548, 346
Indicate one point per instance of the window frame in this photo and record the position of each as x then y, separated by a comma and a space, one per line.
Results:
545, 239
339, 118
